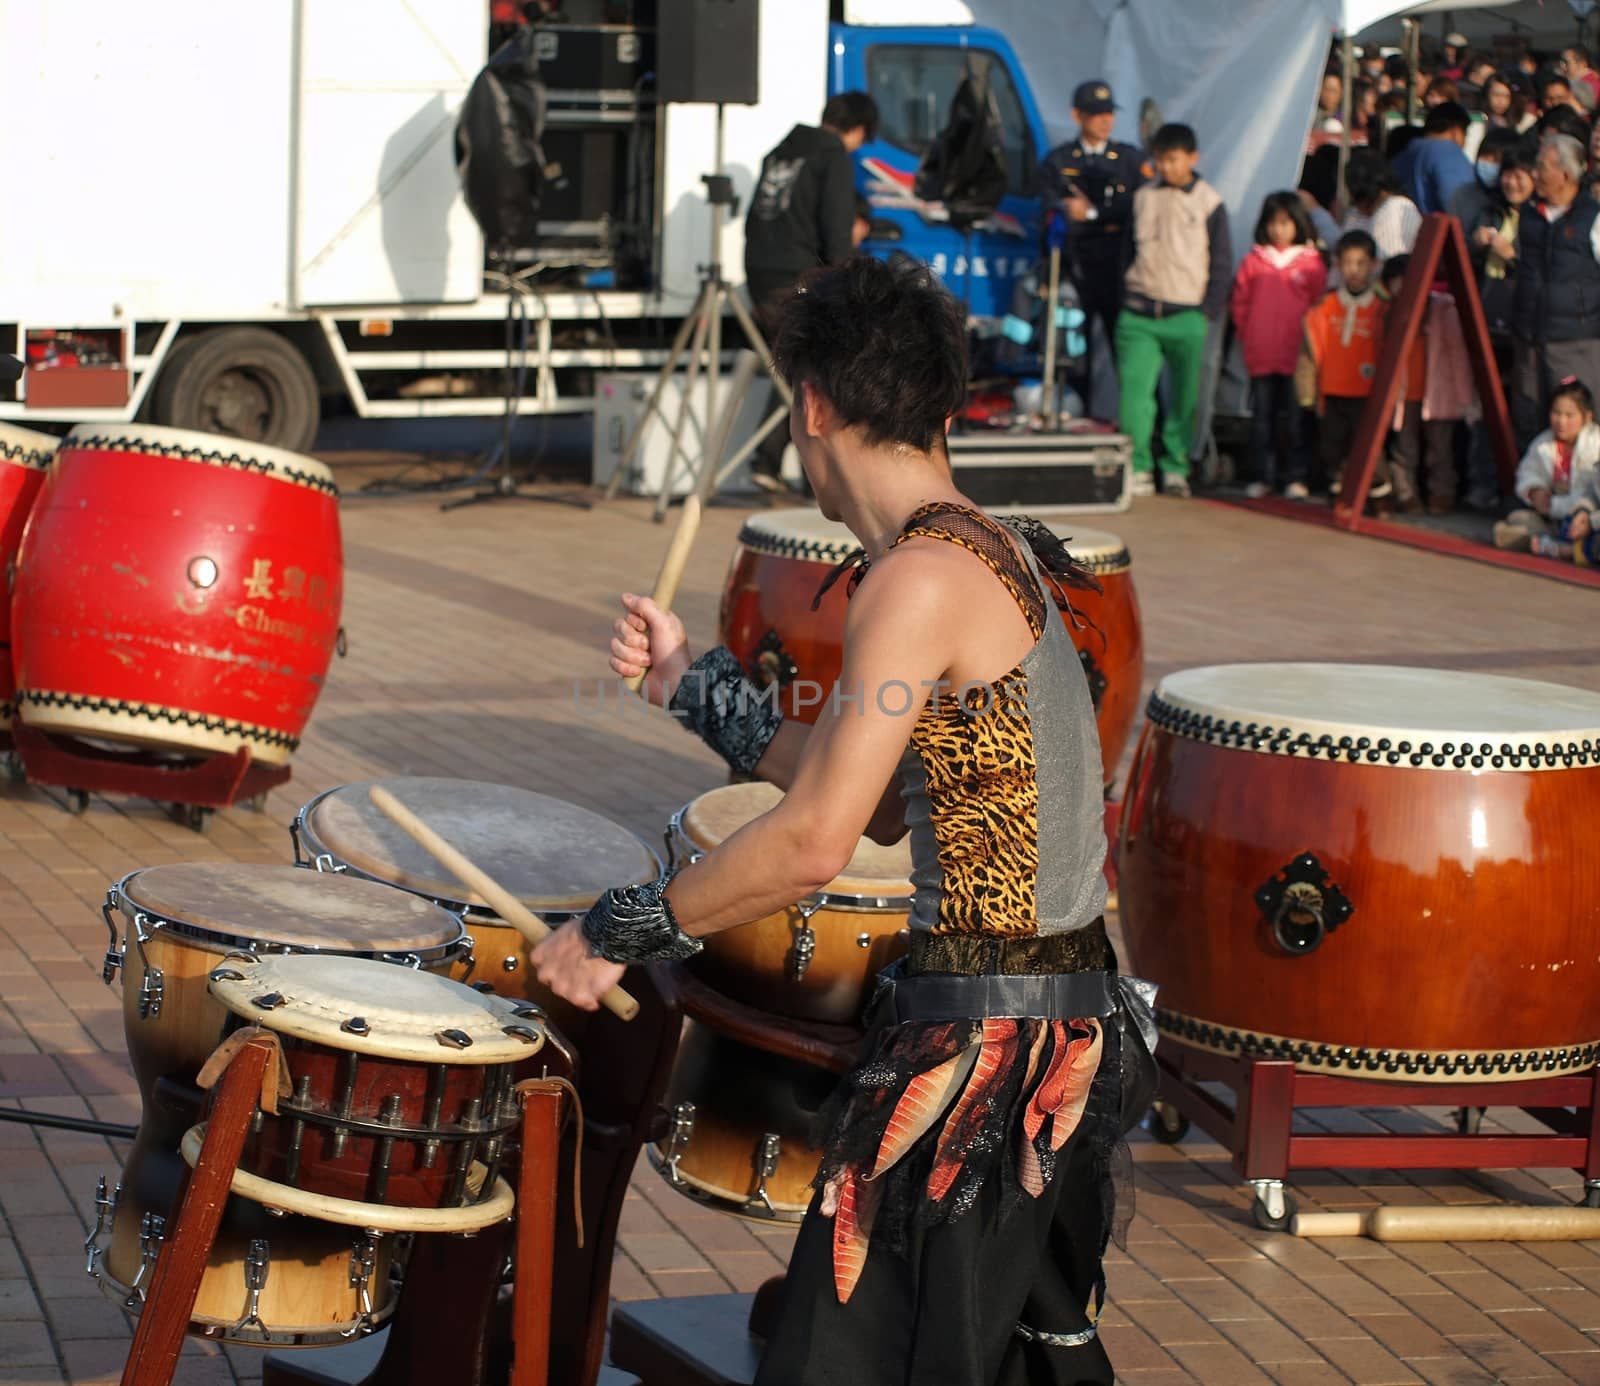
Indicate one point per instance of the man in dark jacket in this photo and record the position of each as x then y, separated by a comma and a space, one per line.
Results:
801, 216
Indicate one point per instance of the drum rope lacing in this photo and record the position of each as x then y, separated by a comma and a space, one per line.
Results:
211, 456
1233, 734
34, 459
1115, 560
1415, 1063
77, 702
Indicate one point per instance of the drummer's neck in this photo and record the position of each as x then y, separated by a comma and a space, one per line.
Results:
881, 486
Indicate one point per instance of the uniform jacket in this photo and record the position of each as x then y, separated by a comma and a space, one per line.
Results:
1537, 471
1109, 179
1272, 294
1182, 248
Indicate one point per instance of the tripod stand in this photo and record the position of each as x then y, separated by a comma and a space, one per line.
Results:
498, 462
700, 337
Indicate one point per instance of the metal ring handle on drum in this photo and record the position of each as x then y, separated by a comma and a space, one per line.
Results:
1294, 937
1302, 905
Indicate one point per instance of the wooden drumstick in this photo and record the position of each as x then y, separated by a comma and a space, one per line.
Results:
496, 896
672, 566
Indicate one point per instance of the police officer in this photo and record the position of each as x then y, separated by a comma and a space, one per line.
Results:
1092, 180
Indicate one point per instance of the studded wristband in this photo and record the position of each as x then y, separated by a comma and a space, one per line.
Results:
725, 710
635, 924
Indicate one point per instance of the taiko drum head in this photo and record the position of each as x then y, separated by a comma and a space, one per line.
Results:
213, 449
874, 870
291, 908
369, 1007
553, 856
799, 533
1391, 715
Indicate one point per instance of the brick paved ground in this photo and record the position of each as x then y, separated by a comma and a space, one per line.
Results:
466, 633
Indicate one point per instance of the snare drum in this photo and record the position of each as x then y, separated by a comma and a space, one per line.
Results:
555, 857
739, 1133
24, 456
178, 590
784, 556
1373, 871
817, 959
402, 1091
170, 925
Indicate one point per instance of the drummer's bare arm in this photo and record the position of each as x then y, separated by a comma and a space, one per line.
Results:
897, 648
648, 638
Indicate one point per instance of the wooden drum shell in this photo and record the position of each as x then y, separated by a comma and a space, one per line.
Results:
1472, 931
768, 595
180, 591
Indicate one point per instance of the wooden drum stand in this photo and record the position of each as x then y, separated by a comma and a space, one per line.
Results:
250, 1084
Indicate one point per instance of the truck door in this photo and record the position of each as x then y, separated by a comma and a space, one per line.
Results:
913, 74
378, 217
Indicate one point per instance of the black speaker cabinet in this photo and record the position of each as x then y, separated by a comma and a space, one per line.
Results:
707, 51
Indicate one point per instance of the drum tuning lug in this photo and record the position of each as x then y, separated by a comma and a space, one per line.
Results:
766, 1163
805, 940
152, 1232
238, 955
114, 948
225, 974
863, 940
325, 862
678, 1139
269, 1002
527, 1011
105, 1212
483, 988
257, 1262
454, 1039
150, 993
524, 1032
356, 1025
510, 963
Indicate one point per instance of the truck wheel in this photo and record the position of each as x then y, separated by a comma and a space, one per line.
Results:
241, 381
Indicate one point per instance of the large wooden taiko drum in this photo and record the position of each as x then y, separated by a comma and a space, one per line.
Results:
24, 455
178, 590
1373, 871
784, 556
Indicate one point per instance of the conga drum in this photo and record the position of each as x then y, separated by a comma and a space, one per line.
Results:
817, 959
555, 857
179, 591
24, 456
307, 1282
739, 1127
784, 556
402, 1091
1375, 872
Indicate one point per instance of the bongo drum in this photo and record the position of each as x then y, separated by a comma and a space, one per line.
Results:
24, 456
170, 925
1373, 871
555, 857
784, 556
739, 1127
402, 1091
202, 606
817, 959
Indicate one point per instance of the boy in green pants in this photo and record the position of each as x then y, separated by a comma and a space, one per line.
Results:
1181, 275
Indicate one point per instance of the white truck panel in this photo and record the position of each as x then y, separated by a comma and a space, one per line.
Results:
793, 90
147, 147
378, 214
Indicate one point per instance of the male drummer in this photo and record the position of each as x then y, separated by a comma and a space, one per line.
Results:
961, 1241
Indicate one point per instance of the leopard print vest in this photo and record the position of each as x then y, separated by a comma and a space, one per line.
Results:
1002, 782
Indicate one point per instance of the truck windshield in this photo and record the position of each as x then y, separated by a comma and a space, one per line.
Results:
913, 86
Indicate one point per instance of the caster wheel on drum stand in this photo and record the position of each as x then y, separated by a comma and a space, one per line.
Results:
1591, 1194
1166, 1124
1273, 1208
11, 763
77, 802
257, 803
192, 816
1469, 1120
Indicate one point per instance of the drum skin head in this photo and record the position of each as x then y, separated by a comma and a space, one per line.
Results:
552, 855
716, 815
291, 907
405, 1011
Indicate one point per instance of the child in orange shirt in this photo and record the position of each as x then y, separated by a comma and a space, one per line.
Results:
1339, 359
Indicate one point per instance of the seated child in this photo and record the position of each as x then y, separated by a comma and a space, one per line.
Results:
1557, 476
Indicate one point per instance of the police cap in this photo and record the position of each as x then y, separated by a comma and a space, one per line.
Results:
1093, 98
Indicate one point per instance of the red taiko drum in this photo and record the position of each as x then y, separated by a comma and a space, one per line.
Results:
1372, 871
784, 556
24, 455
178, 590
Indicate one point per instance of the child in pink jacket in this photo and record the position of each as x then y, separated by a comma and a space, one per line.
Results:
1279, 281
